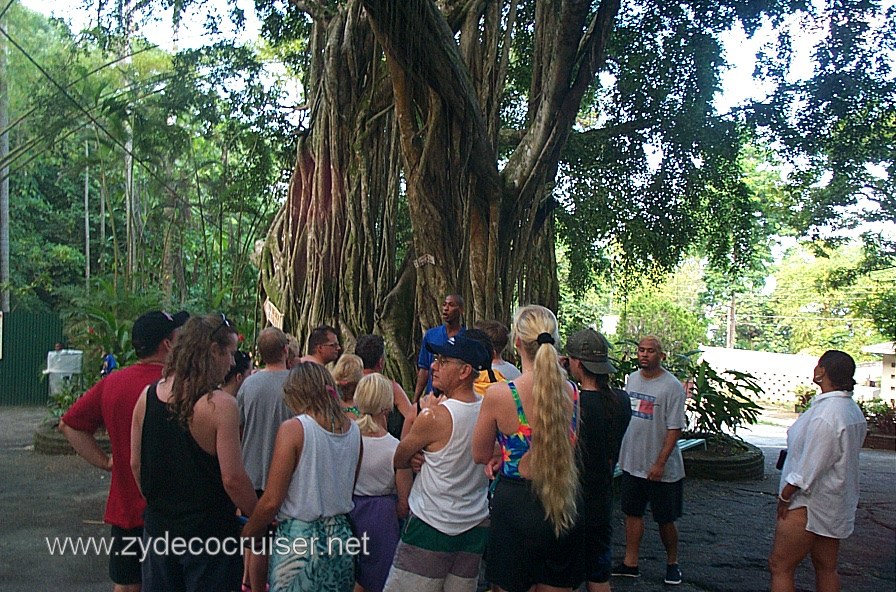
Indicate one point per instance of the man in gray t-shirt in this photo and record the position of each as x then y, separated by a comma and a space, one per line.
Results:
651, 463
262, 410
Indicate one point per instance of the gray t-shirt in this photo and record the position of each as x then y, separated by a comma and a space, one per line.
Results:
508, 370
657, 407
262, 410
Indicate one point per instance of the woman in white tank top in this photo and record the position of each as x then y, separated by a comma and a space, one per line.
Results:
309, 489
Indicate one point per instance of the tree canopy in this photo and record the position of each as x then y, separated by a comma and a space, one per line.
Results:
448, 146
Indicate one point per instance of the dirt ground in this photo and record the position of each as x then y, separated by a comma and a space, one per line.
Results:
726, 532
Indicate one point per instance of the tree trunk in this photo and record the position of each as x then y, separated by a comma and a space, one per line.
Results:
402, 76
331, 254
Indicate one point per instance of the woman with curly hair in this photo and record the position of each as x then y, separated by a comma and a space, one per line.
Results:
185, 455
309, 488
534, 538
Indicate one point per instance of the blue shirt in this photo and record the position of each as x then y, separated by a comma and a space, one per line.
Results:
109, 364
435, 336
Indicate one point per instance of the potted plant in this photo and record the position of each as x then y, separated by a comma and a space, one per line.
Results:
881, 418
47, 437
804, 394
719, 403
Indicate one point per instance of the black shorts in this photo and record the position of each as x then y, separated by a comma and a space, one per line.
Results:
522, 548
124, 569
665, 499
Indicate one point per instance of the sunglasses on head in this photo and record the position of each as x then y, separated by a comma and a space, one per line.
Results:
224, 323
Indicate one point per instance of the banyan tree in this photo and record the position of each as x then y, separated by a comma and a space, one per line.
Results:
397, 197
440, 137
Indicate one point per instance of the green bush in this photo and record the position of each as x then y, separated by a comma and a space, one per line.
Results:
722, 401
59, 403
880, 415
804, 394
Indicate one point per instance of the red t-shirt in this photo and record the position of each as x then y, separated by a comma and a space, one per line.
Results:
110, 403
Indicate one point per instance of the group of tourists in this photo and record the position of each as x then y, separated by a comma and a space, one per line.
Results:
287, 478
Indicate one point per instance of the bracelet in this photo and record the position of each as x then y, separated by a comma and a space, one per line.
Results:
786, 500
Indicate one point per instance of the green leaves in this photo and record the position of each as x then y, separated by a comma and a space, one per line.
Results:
721, 402
210, 143
840, 119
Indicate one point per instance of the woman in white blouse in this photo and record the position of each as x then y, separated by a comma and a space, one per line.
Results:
819, 488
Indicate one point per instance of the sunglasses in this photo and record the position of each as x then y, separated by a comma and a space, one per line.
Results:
442, 360
224, 323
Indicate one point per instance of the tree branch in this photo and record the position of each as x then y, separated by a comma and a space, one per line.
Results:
456, 11
315, 9
569, 55
417, 37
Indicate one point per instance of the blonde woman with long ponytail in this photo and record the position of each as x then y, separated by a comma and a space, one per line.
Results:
528, 427
381, 492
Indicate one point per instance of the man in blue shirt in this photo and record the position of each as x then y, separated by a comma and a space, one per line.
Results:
109, 364
452, 315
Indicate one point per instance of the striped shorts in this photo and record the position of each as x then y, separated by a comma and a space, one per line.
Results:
428, 560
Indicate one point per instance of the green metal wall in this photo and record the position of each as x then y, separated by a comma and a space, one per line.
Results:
27, 337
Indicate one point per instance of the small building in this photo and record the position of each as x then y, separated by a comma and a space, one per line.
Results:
887, 351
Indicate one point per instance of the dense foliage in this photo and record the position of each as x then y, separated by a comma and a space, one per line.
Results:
401, 172
182, 156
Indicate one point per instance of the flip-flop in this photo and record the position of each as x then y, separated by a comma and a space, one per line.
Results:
245, 587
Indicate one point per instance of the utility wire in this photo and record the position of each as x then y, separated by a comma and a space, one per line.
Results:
87, 113
7, 7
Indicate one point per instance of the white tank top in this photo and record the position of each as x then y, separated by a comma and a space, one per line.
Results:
450, 492
322, 483
377, 474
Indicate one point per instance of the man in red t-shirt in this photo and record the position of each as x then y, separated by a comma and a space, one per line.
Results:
110, 403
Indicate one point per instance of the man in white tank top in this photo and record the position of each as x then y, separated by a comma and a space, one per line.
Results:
442, 544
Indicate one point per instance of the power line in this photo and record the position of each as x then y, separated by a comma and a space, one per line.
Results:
804, 318
87, 113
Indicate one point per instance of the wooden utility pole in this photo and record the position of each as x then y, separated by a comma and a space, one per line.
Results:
730, 339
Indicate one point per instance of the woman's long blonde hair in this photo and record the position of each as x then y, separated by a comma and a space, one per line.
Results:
372, 397
347, 373
310, 389
554, 470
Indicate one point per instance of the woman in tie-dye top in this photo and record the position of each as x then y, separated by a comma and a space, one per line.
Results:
535, 537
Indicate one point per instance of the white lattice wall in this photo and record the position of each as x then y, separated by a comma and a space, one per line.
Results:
777, 374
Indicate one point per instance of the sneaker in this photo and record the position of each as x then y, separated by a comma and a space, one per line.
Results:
673, 574
624, 570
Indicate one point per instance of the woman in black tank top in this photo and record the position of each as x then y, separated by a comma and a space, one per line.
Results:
186, 458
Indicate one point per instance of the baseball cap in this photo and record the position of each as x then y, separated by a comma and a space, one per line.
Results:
463, 348
151, 328
592, 349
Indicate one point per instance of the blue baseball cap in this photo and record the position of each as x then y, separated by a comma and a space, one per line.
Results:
463, 348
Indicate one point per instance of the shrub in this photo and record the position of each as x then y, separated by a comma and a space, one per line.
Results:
804, 394
59, 403
722, 401
880, 415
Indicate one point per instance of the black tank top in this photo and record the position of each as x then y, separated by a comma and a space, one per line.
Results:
181, 482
